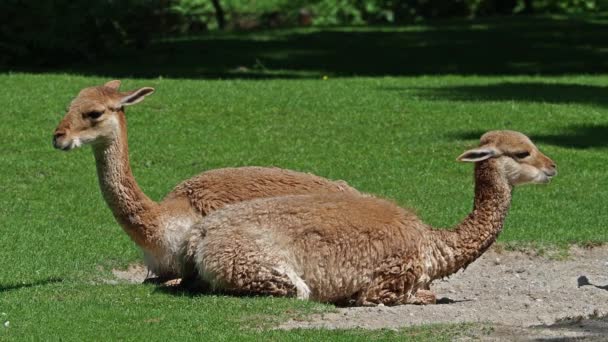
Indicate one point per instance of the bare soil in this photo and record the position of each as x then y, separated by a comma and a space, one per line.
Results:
136, 273
519, 296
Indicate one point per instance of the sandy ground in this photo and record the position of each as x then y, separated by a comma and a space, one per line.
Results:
136, 273
522, 296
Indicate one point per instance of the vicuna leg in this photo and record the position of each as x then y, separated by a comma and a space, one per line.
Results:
247, 269
392, 284
424, 297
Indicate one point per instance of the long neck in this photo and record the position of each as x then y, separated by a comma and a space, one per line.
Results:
457, 248
130, 206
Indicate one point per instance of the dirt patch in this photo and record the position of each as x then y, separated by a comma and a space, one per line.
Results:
518, 293
136, 273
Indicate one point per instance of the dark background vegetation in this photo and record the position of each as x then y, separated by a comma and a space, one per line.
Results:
66, 34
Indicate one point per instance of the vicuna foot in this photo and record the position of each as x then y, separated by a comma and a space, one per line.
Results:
423, 297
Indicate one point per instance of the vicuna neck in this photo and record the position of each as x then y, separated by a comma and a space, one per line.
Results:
130, 206
458, 248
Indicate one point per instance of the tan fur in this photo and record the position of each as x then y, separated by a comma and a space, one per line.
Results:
352, 249
159, 227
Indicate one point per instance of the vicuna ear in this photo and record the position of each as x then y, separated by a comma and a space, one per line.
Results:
135, 96
113, 84
478, 154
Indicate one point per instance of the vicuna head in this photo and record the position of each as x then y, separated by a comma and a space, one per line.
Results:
520, 159
95, 115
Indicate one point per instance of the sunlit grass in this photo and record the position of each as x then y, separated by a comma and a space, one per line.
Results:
394, 137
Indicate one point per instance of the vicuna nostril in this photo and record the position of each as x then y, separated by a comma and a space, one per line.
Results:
551, 171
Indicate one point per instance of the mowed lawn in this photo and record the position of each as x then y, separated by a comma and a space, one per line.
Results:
396, 137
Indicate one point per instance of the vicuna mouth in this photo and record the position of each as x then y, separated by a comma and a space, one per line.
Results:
550, 175
57, 146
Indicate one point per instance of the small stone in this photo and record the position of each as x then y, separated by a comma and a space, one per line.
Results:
6, 324
381, 305
497, 261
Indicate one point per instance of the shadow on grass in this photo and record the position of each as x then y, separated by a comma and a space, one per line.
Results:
526, 45
558, 93
577, 136
12, 287
194, 290
185, 291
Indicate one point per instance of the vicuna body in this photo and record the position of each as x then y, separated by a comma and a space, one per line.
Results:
97, 117
351, 249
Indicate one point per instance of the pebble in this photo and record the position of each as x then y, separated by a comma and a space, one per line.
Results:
6, 324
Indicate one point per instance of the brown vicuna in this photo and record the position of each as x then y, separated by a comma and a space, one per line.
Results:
352, 249
97, 117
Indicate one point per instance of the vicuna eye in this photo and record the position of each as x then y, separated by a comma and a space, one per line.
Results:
522, 155
94, 114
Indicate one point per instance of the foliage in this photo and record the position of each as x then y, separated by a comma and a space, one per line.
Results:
202, 12
358, 12
329, 12
570, 6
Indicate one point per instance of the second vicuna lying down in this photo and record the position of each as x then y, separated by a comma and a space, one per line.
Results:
96, 116
351, 249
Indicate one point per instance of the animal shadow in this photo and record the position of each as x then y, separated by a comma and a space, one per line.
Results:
575, 136
446, 300
584, 281
185, 288
13, 287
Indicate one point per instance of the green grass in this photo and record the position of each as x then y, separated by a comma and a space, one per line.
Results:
127, 312
397, 137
